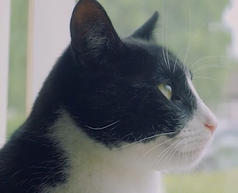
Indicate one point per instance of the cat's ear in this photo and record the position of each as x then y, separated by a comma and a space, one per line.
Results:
93, 36
146, 30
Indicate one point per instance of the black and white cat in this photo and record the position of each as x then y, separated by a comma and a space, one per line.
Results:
111, 115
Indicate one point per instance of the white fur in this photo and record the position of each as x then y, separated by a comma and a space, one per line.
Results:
132, 168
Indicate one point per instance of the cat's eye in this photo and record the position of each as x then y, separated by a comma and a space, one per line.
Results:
166, 90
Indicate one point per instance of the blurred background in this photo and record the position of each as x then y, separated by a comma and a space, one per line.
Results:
203, 34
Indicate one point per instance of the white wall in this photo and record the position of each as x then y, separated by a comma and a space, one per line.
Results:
48, 37
4, 60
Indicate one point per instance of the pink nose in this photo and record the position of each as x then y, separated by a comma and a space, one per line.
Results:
211, 127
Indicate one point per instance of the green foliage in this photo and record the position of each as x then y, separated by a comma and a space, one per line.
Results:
17, 66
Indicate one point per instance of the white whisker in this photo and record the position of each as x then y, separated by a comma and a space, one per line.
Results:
190, 42
174, 150
204, 58
171, 153
104, 127
210, 66
164, 152
194, 37
153, 149
147, 138
204, 77
164, 37
177, 59
141, 157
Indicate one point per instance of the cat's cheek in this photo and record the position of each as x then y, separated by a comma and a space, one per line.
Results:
188, 147
197, 135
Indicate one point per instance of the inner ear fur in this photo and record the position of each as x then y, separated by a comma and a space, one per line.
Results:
92, 33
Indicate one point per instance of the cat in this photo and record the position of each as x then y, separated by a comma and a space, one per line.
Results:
111, 116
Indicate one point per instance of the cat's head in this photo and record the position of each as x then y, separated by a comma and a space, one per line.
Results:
132, 94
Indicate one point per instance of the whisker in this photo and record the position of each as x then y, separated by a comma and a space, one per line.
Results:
104, 127
189, 42
204, 77
177, 58
204, 58
164, 152
153, 149
164, 36
185, 173
194, 37
210, 66
185, 153
173, 151
145, 139
156, 146
166, 43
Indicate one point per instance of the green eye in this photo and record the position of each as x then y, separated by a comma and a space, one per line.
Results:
166, 90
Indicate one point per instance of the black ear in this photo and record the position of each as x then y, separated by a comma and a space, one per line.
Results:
146, 30
93, 37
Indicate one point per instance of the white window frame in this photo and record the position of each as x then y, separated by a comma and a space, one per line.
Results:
48, 36
4, 61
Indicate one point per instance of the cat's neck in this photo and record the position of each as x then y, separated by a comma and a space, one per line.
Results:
109, 178
96, 168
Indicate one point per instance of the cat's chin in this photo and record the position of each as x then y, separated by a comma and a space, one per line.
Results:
190, 161
164, 153
187, 155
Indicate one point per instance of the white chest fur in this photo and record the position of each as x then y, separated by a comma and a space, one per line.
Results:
96, 168
132, 168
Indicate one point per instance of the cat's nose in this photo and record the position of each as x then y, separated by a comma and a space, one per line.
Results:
210, 121
211, 127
